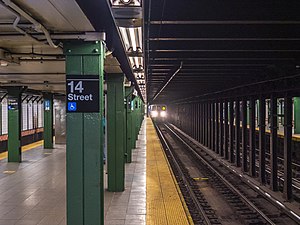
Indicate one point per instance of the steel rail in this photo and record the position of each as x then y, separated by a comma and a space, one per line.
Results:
247, 201
290, 212
187, 185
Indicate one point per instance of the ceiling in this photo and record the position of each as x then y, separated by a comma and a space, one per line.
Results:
207, 46
190, 48
29, 58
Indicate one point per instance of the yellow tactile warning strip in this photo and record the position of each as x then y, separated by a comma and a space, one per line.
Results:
25, 148
164, 205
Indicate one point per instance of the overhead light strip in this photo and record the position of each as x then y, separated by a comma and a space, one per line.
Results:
125, 37
132, 38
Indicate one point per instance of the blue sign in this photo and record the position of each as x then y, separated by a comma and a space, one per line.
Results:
47, 105
13, 103
132, 105
72, 106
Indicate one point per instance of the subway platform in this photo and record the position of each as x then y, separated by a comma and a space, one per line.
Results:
34, 191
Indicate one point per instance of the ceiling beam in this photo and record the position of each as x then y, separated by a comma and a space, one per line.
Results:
222, 59
226, 50
223, 22
222, 39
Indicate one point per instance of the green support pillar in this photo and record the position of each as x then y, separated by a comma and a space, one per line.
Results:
248, 113
115, 131
48, 120
140, 115
1, 117
133, 120
85, 198
128, 94
136, 118
137, 125
143, 111
14, 124
297, 115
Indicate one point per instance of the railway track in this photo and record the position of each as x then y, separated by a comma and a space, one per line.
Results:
221, 197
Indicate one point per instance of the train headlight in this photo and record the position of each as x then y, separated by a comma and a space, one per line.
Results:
154, 114
163, 114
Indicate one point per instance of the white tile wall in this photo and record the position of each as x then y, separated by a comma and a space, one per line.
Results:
40, 115
24, 116
30, 116
4, 116
35, 114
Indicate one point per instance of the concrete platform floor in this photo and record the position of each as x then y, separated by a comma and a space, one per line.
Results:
129, 207
34, 191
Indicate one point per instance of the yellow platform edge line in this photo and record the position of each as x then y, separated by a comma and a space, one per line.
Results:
186, 210
24, 148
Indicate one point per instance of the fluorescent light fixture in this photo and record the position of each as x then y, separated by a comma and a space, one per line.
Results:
139, 76
133, 42
126, 2
3, 63
136, 62
131, 61
125, 37
140, 37
132, 38
140, 61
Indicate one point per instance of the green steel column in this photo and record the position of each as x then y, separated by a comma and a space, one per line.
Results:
1, 118
297, 115
48, 120
128, 93
143, 111
85, 198
115, 132
140, 114
137, 125
137, 118
133, 120
129, 137
14, 124
137, 121
248, 112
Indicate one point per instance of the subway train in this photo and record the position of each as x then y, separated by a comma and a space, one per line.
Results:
158, 112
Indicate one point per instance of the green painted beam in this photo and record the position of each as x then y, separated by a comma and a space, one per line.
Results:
248, 114
297, 115
139, 116
128, 94
116, 145
14, 124
1, 120
48, 120
85, 197
134, 121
